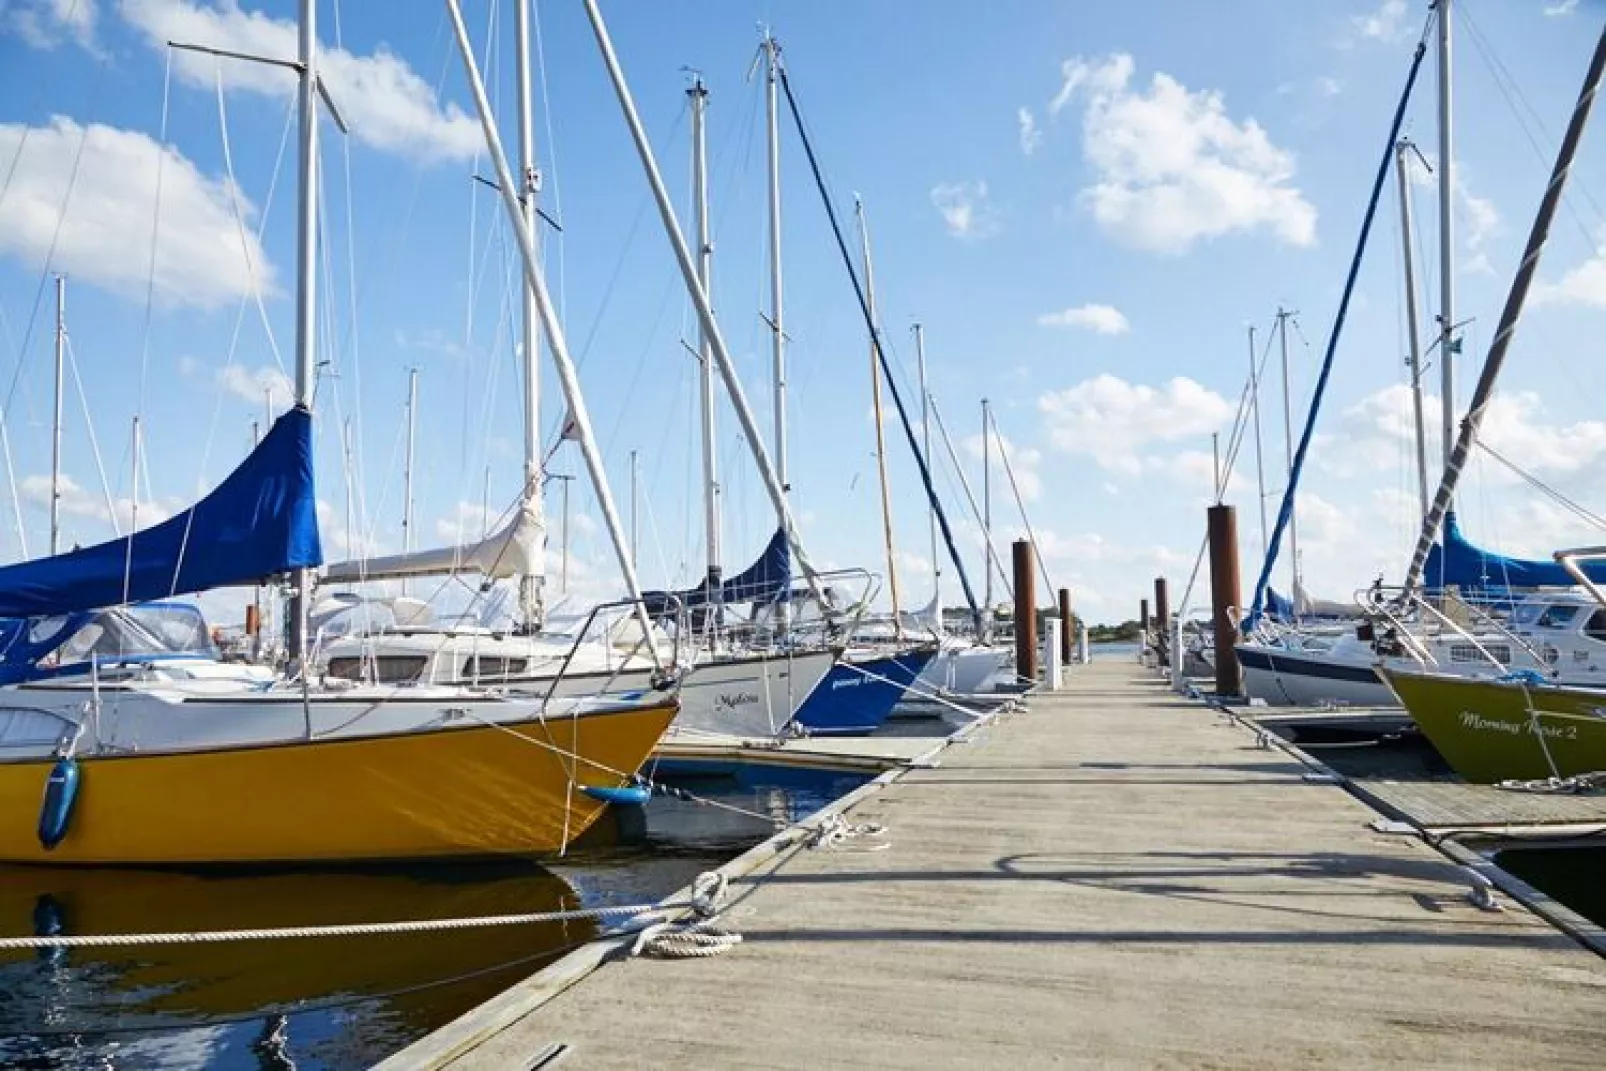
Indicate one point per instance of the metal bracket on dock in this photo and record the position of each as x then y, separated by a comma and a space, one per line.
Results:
1394, 828
1481, 892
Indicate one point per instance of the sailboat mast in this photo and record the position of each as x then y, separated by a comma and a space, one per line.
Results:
1260, 463
987, 511
705, 311
407, 472
925, 437
530, 607
306, 280
55, 427
880, 431
772, 58
698, 93
1288, 446
1447, 342
1401, 150
579, 414
1527, 268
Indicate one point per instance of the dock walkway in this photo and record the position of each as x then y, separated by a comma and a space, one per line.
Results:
1115, 877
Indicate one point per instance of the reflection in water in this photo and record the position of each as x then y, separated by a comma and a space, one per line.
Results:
338, 1002
1569, 874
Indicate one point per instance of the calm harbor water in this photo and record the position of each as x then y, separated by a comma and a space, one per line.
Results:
345, 1002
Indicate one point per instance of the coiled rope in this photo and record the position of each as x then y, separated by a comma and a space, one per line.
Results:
837, 832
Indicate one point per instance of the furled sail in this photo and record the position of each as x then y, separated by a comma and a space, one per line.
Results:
1455, 562
261, 520
516, 550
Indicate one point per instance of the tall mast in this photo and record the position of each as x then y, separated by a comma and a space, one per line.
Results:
306, 280
530, 603
407, 472
55, 427
635, 528
557, 343
772, 136
699, 296
1260, 464
1527, 268
987, 510
705, 372
1288, 447
772, 58
880, 434
1414, 361
1447, 343
925, 436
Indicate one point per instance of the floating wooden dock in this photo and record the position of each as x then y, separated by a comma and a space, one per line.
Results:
1114, 877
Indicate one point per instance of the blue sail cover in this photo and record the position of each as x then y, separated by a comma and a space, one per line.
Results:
1278, 606
261, 520
766, 580
1453, 561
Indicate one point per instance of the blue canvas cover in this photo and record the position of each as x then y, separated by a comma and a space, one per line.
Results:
1453, 561
24, 641
261, 520
765, 581
1280, 607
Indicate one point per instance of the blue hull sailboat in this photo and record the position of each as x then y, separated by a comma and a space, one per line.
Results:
860, 691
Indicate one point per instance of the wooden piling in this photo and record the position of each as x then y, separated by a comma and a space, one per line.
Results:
1067, 641
1025, 612
1224, 588
1162, 621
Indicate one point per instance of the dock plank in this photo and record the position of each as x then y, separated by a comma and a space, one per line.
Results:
1114, 878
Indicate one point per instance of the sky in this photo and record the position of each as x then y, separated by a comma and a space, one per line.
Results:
1087, 207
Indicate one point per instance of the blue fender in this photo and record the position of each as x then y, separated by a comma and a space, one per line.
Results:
628, 794
61, 793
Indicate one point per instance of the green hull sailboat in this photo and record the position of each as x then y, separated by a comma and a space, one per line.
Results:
1499, 730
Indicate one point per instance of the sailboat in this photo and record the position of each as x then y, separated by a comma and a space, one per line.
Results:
1521, 725
146, 754
748, 692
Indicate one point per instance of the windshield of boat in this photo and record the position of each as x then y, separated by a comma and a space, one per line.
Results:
1545, 614
145, 631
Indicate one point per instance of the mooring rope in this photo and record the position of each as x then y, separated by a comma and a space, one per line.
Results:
708, 893
1577, 784
836, 831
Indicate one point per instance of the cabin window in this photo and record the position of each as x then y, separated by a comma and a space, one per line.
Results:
387, 669
1595, 629
1557, 615
1467, 652
481, 666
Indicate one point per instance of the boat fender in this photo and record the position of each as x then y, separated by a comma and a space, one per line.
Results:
635, 795
61, 793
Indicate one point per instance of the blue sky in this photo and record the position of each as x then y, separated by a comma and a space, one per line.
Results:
1084, 204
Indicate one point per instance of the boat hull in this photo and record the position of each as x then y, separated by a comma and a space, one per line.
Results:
1487, 731
752, 696
1289, 678
960, 670
475, 790
849, 703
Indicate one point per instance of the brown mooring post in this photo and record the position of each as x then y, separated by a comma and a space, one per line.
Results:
1067, 641
1025, 612
1143, 620
1223, 526
1162, 622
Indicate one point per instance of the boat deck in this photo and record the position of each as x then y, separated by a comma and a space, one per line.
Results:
1115, 877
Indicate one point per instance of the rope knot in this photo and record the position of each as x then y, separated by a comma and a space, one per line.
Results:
708, 893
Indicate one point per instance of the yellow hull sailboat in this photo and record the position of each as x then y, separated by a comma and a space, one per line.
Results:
514, 787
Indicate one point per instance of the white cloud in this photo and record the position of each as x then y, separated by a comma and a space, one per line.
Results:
1031, 135
385, 102
1561, 7
204, 257
965, 209
1110, 419
1387, 23
1104, 319
1172, 167
1024, 461
1329, 86
77, 501
48, 23
258, 386
1583, 284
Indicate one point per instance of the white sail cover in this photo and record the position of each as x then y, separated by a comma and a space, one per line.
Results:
516, 550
